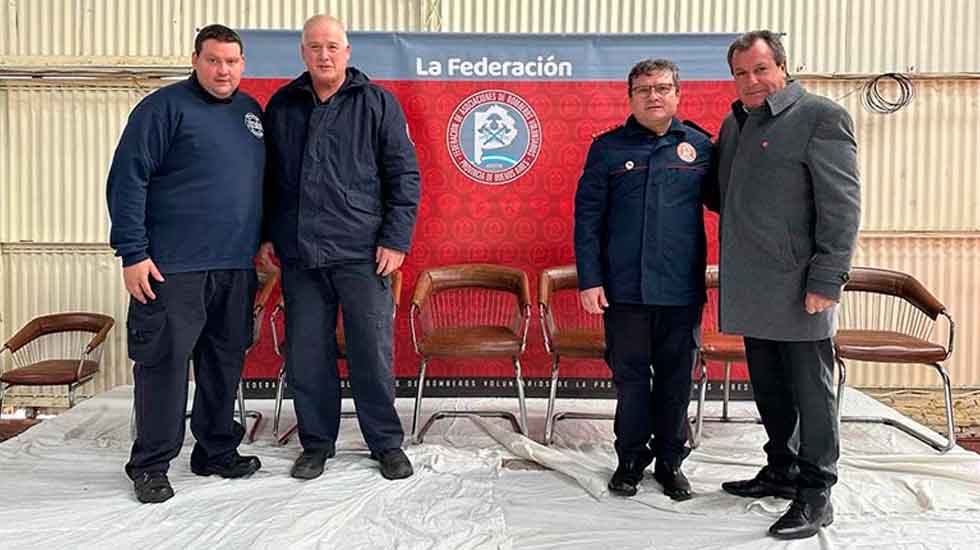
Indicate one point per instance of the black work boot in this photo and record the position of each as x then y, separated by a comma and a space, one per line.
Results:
310, 463
767, 483
152, 487
673, 480
810, 510
230, 467
626, 477
394, 463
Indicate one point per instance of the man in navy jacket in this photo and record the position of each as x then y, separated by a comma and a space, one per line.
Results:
185, 198
640, 255
342, 192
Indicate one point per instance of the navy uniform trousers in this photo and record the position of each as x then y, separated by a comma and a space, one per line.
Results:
312, 298
651, 351
205, 316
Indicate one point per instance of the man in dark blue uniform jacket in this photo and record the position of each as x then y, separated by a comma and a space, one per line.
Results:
185, 198
640, 253
342, 194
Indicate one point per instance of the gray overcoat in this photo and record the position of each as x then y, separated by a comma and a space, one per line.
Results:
790, 210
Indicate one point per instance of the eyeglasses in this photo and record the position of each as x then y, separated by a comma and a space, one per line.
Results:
662, 90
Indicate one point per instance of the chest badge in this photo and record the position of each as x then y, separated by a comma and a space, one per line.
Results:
254, 125
686, 152
629, 165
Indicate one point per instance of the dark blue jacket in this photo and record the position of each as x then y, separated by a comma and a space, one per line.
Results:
639, 225
342, 177
185, 186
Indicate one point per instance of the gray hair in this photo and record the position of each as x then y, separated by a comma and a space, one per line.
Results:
650, 66
747, 40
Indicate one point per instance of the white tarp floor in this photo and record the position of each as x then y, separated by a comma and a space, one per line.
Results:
62, 486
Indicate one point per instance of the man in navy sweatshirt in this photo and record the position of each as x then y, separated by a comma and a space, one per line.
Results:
342, 196
185, 199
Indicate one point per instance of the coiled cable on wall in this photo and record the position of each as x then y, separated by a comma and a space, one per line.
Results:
875, 102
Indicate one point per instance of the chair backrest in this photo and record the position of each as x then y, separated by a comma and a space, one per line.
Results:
471, 295
561, 309
885, 300
60, 336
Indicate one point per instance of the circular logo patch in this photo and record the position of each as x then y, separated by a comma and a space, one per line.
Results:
494, 137
686, 152
254, 125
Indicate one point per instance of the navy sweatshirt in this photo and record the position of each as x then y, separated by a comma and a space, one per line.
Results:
185, 186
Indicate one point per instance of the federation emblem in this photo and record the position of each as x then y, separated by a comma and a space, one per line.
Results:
254, 125
494, 137
686, 152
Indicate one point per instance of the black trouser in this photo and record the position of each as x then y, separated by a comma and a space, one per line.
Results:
312, 297
793, 384
651, 406
205, 316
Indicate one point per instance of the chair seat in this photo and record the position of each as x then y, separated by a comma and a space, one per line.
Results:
886, 346
580, 342
50, 373
14, 427
718, 346
483, 341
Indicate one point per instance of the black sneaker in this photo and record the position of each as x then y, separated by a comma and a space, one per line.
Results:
310, 463
234, 466
394, 463
153, 487
626, 477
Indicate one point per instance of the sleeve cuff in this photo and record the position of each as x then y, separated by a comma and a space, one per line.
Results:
134, 258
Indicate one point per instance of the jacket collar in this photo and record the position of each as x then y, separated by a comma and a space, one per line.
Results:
634, 128
195, 85
777, 102
353, 79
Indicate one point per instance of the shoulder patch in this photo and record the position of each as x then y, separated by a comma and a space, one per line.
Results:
605, 131
693, 125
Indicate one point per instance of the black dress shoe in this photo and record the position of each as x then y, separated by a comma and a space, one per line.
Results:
810, 511
674, 482
152, 487
309, 465
234, 466
767, 483
394, 463
625, 479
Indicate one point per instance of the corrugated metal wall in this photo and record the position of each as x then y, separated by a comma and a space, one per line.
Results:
136, 32
823, 36
920, 167
59, 143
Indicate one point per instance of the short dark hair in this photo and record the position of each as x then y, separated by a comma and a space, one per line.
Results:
650, 66
220, 33
747, 40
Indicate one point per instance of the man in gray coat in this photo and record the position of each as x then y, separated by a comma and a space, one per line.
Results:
790, 209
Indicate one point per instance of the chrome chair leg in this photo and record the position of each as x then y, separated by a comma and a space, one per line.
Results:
280, 393
726, 391
549, 421
522, 401
418, 434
